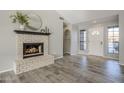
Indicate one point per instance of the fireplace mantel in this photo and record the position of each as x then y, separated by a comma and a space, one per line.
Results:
30, 32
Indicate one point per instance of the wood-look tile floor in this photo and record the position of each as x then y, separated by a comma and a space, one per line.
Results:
71, 69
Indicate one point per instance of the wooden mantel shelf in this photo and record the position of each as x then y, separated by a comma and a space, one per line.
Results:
30, 32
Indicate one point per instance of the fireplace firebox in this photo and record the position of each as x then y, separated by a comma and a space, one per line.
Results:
32, 49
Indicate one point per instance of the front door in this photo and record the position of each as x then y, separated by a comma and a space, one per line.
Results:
95, 36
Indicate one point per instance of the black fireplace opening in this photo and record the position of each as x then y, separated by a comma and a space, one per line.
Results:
33, 49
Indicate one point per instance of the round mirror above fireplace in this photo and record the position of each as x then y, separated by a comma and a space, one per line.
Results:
35, 22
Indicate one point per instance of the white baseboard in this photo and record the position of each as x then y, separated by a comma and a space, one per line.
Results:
73, 54
82, 54
58, 57
110, 57
67, 53
121, 64
6, 70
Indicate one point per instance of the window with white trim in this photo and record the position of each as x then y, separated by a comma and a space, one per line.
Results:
83, 37
113, 40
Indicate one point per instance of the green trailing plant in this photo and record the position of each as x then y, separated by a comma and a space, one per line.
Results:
21, 18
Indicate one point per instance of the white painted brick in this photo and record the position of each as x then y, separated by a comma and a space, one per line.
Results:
23, 65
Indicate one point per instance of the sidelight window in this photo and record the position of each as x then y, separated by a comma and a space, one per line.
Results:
113, 40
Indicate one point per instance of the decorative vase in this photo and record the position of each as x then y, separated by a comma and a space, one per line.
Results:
22, 27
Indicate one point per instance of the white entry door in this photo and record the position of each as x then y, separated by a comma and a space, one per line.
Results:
95, 44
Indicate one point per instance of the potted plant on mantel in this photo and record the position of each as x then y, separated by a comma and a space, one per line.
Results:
20, 18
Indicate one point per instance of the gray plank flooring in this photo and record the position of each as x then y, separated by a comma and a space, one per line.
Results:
71, 69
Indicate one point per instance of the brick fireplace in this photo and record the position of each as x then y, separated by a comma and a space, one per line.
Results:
31, 51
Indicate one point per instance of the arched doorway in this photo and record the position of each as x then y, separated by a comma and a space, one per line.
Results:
67, 42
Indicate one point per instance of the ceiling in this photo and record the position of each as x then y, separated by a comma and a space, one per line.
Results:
78, 16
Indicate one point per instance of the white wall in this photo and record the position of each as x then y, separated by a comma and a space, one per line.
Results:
7, 41
121, 28
7, 36
74, 40
51, 19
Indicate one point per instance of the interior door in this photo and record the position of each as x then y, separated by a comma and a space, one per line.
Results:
95, 45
